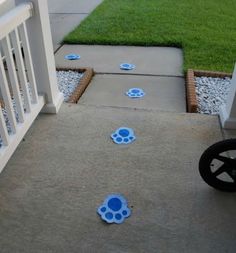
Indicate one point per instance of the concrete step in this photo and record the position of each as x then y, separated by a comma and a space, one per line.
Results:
162, 93
107, 59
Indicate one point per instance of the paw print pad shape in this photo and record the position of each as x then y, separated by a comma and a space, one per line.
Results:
135, 93
123, 135
127, 66
72, 57
114, 209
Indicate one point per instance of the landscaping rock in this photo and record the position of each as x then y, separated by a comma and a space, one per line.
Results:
67, 82
211, 93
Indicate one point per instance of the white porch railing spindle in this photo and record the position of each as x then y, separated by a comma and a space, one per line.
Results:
3, 129
31, 72
13, 77
40, 40
28, 62
21, 69
7, 97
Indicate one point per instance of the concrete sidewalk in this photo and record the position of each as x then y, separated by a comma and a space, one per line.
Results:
157, 61
158, 72
158, 69
66, 15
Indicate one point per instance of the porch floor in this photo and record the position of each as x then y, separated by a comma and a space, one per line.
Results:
60, 174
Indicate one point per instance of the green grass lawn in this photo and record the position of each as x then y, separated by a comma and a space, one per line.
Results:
205, 29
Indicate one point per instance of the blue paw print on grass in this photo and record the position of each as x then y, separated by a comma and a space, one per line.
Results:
135, 93
114, 209
72, 57
123, 135
127, 66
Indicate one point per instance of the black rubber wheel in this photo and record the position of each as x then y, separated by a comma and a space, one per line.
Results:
217, 165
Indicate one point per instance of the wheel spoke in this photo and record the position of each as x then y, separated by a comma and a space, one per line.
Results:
232, 176
224, 159
221, 170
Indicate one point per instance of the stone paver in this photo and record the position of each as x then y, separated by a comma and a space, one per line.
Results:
162, 93
53, 184
106, 59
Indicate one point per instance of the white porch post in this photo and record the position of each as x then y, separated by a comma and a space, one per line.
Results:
40, 40
228, 111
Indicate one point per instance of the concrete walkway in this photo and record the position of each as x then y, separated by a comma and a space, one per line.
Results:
67, 164
158, 72
66, 15
162, 94
162, 61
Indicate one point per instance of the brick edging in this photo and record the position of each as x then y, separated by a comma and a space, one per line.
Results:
79, 90
192, 104
83, 84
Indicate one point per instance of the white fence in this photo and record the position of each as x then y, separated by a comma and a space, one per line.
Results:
25, 72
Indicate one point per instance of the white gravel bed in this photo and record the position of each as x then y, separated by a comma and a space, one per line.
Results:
211, 93
4, 112
67, 82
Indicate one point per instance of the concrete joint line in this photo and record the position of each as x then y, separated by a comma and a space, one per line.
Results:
126, 108
137, 74
58, 48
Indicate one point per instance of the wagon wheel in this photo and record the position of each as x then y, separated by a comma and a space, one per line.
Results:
217, 165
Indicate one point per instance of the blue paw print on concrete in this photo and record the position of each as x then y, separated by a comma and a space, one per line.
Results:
72, 57
127, 66
114, 209
123, 135
135, 93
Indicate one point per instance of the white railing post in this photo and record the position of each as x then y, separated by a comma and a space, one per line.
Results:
228, 111
40, 40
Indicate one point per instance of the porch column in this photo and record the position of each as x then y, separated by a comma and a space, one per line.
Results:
228, 111
40, 40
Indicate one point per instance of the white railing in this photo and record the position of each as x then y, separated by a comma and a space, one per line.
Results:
22, 76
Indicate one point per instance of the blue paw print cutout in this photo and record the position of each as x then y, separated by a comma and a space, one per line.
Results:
72, 57
123, 135
114, 209
127, 66
135, 93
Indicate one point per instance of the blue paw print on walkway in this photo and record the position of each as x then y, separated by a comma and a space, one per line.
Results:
127, 66
114, 209
123, 135
72, 57
135, 93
